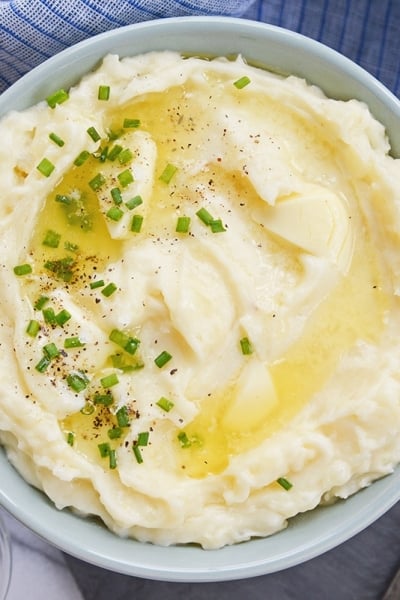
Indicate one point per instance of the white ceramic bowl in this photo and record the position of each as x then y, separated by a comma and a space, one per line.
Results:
307, 535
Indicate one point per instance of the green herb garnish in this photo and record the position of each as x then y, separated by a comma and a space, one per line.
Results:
73, 342
125, 178
57, 97
51, 239
81, 158
56, 139
24, 269
242, 82
45, 167
137, 222
109, 380
109, 290
246, 346
165, 404
122, 415
182, 225
131, 123
168, 173
33, 328
134, 202
162, 359
285, 483
77, 381
94, 134
103, 92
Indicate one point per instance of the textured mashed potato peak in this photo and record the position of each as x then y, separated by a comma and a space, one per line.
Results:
199, 307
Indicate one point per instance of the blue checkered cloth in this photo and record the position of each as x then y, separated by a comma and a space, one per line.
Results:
367, 31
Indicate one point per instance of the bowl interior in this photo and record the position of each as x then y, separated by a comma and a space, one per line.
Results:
310, 534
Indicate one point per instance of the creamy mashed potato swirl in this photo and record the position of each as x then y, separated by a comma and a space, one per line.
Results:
199, 308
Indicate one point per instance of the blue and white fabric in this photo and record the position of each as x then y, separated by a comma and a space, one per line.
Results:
367, 31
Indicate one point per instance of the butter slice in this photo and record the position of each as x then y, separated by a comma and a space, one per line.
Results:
316, 221
254, 398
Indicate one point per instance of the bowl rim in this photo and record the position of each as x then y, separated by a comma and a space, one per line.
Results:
37, 513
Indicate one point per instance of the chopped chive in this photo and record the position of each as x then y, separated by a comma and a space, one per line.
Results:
246, 346
137, 453
62, 268
81, 158
285, 483
132, 345
162, 359
51, 239
114, 135
70, 438
73, 342
104, 449
33, 328
128, 343
57, 97
109, 290
116, 196
63, 199
112, 459
165, 404
77, 381
114, 433
104, 92
217, 226
242, 82
182, 225
118, 337
45, 167
103, 154
131, 123
168, 173
87, 409
71, 247
97, 284
62, 317
103, 399
94, 134
115, 213
109, 380
184, 440
24, 269
205, 216
122, 415
143, 438
43, 364
40, 302
97, 181
119, 362
125, 156
134, 202
56, 139
51, 351
125, 178
137, 222
49, 316
114, 152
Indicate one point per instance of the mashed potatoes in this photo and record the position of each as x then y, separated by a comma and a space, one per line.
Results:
200, 330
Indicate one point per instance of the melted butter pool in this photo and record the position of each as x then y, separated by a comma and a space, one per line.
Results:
355, 310
72, 212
